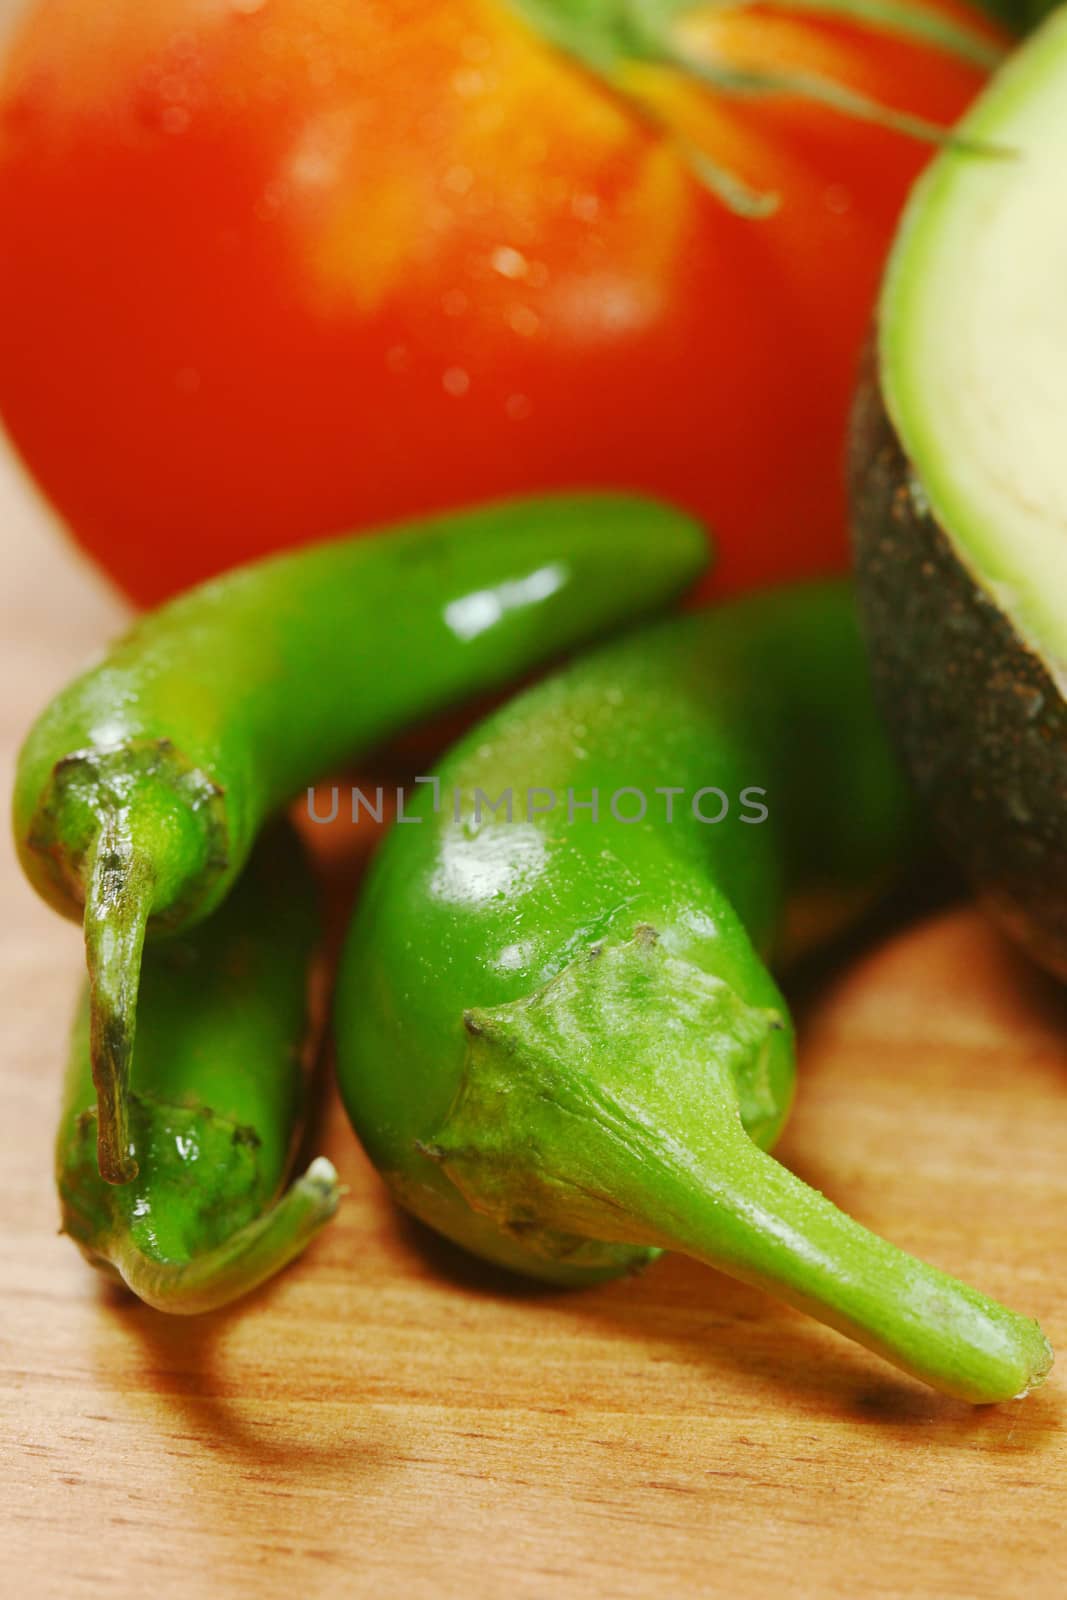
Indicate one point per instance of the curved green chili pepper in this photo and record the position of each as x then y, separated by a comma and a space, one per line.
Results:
216, 1103
142, 786
556, 1037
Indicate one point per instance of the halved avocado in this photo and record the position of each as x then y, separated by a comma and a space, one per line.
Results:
959, 494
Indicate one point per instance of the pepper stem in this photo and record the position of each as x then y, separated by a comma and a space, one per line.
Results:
613, 1104
118, 901
242, 1262
749, 1216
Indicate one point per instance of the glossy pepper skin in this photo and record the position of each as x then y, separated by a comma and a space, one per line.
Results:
558, 1039
142, 787
216, 1103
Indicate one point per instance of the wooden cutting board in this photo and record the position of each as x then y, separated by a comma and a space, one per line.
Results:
389, 1418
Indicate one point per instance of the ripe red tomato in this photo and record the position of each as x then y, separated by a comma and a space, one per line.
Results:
274, 269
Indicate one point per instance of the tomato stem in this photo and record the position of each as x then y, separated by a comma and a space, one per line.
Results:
909, 21
735, 194
606, 36
835, 96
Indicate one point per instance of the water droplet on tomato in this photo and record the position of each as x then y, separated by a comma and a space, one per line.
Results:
458, 180
518, 407
468, 81
247, 8
524, 322
164, 101
585, 207
510, 263
456, 382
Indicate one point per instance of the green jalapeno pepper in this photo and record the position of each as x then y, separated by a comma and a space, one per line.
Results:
216, 1104
141, 788
557, 1037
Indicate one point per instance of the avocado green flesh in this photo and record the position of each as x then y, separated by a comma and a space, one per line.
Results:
973, 345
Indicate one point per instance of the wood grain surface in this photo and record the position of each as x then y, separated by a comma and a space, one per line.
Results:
389, 1418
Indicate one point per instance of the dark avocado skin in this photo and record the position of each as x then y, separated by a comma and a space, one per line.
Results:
979, 721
